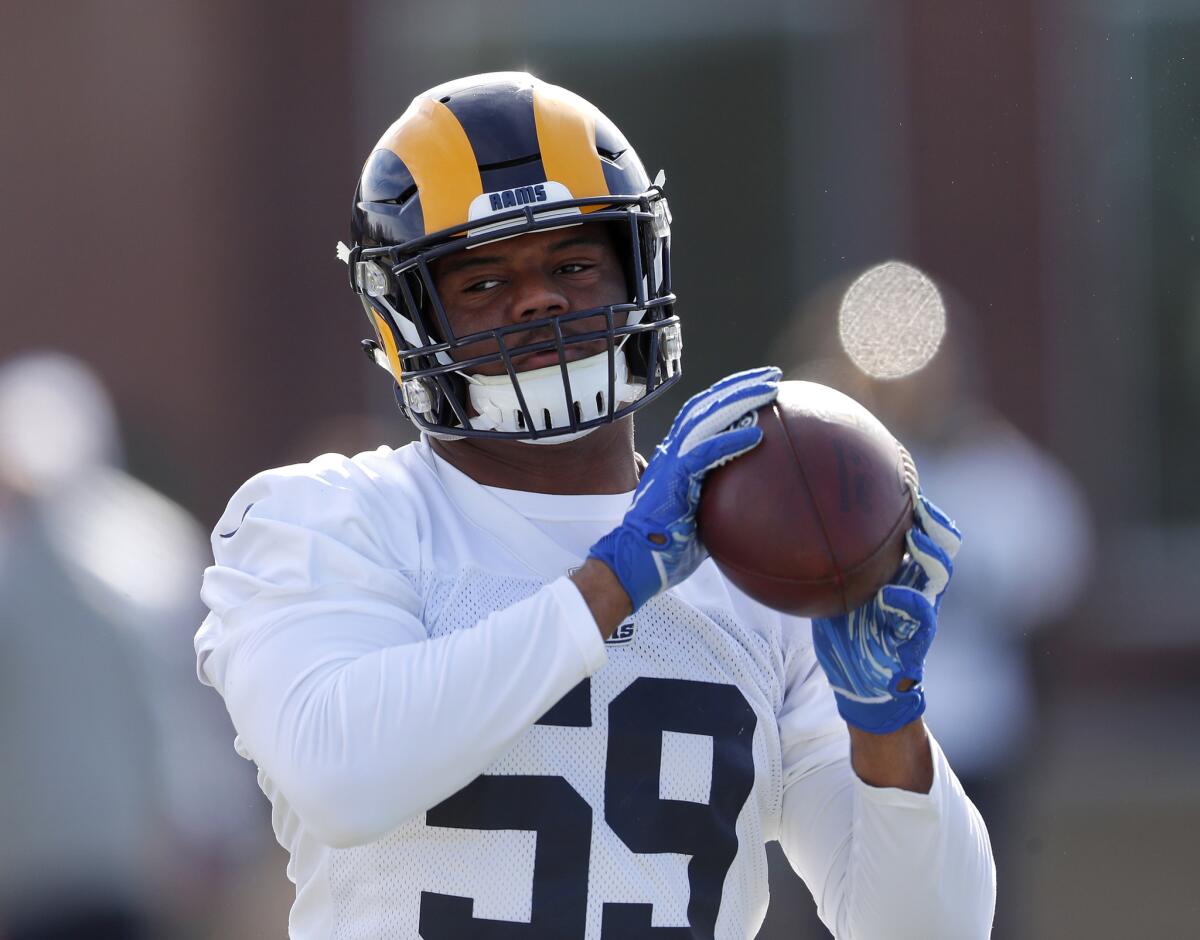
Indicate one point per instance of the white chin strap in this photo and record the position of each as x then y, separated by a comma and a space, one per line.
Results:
494, 397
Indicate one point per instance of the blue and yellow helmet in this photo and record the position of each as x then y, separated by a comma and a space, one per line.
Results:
489, 157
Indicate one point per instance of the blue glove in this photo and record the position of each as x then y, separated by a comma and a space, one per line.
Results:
655, 546
869, 652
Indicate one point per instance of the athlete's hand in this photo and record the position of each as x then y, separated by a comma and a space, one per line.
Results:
656, 546
875, 656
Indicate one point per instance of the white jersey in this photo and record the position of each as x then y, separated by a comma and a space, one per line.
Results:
452, 751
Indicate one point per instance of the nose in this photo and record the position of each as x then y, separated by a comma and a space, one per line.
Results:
537, 296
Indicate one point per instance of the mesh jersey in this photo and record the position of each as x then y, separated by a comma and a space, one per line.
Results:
451, 751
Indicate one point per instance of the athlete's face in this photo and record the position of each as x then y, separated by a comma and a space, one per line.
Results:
531, 277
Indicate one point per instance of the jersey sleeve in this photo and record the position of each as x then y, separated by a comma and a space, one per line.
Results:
337, 692
880, 862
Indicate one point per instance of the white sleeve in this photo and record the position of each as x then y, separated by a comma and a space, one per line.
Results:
880, 862
333, 684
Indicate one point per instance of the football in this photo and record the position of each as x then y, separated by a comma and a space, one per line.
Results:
811, 521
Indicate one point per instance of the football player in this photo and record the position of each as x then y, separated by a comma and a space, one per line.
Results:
492, 684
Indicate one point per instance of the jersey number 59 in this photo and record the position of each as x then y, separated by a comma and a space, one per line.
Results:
647, 824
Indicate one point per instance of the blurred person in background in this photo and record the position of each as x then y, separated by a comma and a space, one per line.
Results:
1016, 578
119, 798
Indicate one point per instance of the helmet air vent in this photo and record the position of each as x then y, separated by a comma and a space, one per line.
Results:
401, 199
508, 164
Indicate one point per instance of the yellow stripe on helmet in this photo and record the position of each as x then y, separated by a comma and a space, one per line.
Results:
566, 129
438, 154
384, 329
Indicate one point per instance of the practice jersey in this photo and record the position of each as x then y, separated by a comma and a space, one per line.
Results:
452, 751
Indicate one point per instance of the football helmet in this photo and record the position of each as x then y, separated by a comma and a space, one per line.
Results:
490, 157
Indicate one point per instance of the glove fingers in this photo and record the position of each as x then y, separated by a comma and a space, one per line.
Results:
934, 562
764, 374
938, 526
768, 375
722, 412
700, 401
721, 448
908, 609
909, 574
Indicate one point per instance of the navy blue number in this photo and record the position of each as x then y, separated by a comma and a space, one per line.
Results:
562, 820
650, 825
647, 824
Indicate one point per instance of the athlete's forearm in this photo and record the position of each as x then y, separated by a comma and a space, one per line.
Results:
361, 732
888, 862
900, 759
603, 594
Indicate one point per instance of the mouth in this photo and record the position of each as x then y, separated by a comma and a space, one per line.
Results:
539, 360
549, 357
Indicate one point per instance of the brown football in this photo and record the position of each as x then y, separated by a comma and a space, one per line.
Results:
812, 521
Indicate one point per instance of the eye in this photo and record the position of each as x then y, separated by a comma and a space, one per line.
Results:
575, 267
478, 287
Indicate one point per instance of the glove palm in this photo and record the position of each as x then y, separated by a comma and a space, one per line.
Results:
656, 545
869, 653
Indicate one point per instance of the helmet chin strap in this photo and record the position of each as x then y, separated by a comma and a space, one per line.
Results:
494, 397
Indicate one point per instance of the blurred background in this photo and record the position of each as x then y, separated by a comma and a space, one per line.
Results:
175, 175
